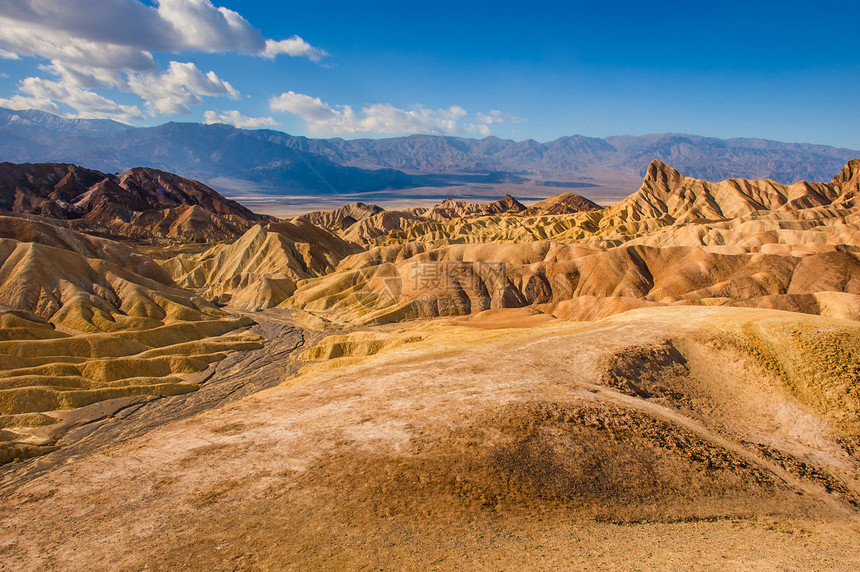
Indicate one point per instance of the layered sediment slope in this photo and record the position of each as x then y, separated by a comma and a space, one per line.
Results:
261, 269
677, 240
460, 444
564, 203
86, 320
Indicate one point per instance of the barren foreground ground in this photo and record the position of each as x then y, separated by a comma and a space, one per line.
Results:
673, 437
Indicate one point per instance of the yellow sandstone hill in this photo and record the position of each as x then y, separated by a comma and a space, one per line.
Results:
261, 268
86, 320
564, 203
676, 240
341, 218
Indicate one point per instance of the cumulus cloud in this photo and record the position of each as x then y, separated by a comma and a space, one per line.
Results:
43, 94
20, 102
111, 45
170, 26
294, 47
181, 86
199, 25
69, 50
383, 118
236, 119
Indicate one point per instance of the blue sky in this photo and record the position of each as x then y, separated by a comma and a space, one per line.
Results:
776, 70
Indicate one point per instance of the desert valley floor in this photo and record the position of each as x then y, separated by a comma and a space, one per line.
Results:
669, 382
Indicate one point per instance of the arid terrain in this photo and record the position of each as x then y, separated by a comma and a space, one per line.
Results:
672, 381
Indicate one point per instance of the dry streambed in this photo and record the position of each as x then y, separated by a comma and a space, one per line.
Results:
63, 402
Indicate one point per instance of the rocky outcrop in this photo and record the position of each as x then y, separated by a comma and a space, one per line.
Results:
564, 203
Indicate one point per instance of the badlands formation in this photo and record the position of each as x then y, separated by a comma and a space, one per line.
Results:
671, 381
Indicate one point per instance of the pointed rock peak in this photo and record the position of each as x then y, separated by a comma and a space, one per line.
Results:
662, 176
851, 171
660, 170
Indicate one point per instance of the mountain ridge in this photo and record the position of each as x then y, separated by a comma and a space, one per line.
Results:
138, 203
277, 162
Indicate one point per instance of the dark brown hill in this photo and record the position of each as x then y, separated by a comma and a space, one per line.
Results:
140, 203
564, 203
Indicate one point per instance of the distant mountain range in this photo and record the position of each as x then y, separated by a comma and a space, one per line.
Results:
279, 163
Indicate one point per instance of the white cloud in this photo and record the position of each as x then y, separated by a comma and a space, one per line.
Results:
116, 22
110, 45
58, 46
20, 102
236, 119
294, 47
381, 118
87, 77
181, 86
478, 128
170, 93
200, 26
170, 26
44, 94
313, 110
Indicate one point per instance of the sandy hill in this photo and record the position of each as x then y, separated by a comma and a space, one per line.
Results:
453, 209
391, 284
668, 196
666, 199
139, 203
368, 224
26, 231
262, 267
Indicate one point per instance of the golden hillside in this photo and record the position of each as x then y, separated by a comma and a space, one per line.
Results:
676, 240
473, 385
